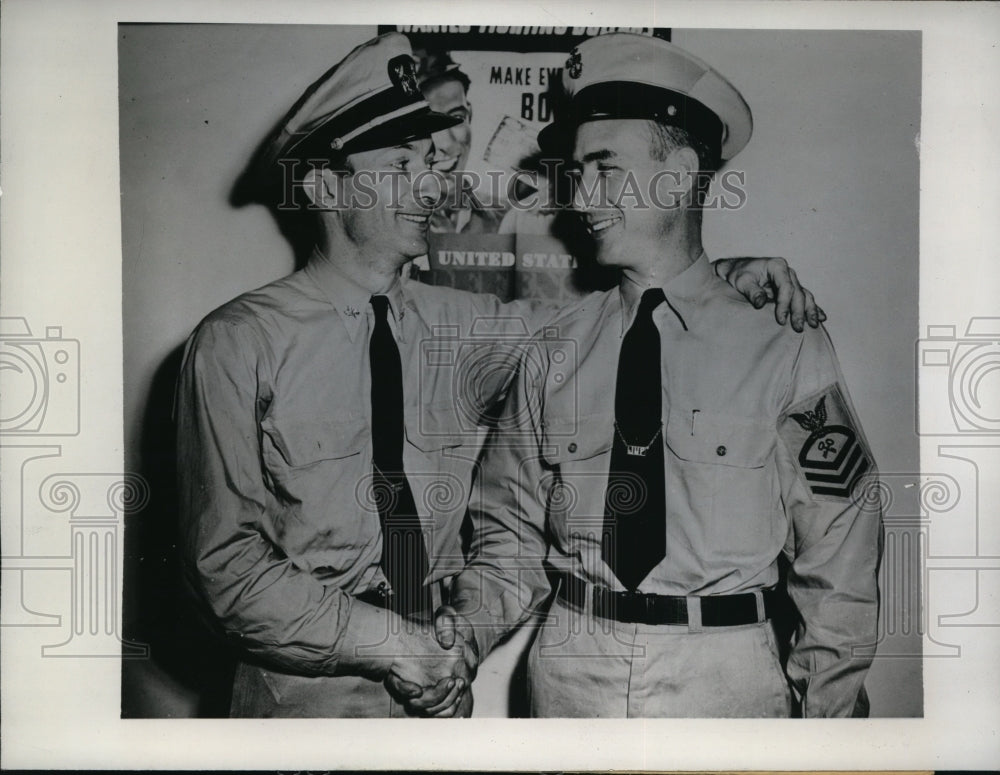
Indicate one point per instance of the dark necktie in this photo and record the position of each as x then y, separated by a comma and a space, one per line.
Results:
404, 558
635, 526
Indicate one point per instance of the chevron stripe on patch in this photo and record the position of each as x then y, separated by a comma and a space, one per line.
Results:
831, 453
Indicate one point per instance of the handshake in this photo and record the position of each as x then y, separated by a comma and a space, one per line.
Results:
432, 676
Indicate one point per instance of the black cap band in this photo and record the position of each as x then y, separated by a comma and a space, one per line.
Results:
381, 103
627, 99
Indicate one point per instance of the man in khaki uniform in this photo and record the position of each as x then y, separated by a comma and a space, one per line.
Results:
325, 443
659, 499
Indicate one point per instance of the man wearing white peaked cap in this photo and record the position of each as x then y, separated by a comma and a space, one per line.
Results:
656, 505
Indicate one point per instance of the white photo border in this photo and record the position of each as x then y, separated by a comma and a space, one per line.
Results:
60, 221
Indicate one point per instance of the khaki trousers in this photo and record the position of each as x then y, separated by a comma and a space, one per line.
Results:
264, 693
583, 666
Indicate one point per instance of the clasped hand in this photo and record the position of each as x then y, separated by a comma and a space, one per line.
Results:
434, 678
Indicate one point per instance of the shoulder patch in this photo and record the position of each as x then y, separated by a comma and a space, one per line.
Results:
829, 448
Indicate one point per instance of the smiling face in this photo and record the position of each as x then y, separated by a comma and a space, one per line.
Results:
626, 199
390, 218
451, 145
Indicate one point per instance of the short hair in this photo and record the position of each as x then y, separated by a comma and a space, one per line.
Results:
451, 75
435, 66
664, 140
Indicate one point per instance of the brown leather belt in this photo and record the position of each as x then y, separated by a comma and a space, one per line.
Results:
643, 608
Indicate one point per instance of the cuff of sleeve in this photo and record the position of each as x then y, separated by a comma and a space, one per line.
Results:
366, 646
485, 630
488, 626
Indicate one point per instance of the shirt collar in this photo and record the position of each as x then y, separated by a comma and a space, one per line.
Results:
688, 286
352, 301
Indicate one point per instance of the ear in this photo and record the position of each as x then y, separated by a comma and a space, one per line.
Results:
321, 185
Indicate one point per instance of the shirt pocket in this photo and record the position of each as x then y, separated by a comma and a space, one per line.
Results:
576, 452
567, 441
311, 459
438, 427
439, 458
722, 465
718, 438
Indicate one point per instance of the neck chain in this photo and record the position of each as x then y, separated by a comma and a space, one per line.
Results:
638, 450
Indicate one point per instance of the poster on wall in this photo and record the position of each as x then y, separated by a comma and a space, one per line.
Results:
501, 228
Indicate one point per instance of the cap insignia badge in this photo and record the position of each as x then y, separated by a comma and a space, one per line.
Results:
402, 75
574, 64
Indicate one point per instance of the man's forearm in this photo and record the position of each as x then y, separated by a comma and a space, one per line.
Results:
492, 605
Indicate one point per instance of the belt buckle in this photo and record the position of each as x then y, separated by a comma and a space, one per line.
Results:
639, 608
649, 607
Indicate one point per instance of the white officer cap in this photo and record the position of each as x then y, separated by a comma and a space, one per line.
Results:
369, 100
625, 75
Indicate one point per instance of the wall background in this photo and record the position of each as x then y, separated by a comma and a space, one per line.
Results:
833, 180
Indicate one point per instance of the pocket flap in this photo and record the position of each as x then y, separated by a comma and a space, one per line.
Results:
576, 438
438, 427
720, 438
302, 441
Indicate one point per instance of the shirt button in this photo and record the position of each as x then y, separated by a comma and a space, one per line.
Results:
720, 451
572, 447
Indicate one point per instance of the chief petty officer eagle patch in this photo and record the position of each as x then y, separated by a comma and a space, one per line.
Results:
823, 434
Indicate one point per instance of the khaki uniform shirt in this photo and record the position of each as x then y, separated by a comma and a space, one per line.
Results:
279, 528
762, 448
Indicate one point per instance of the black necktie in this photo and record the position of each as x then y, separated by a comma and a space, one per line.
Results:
404, 558
635, 526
